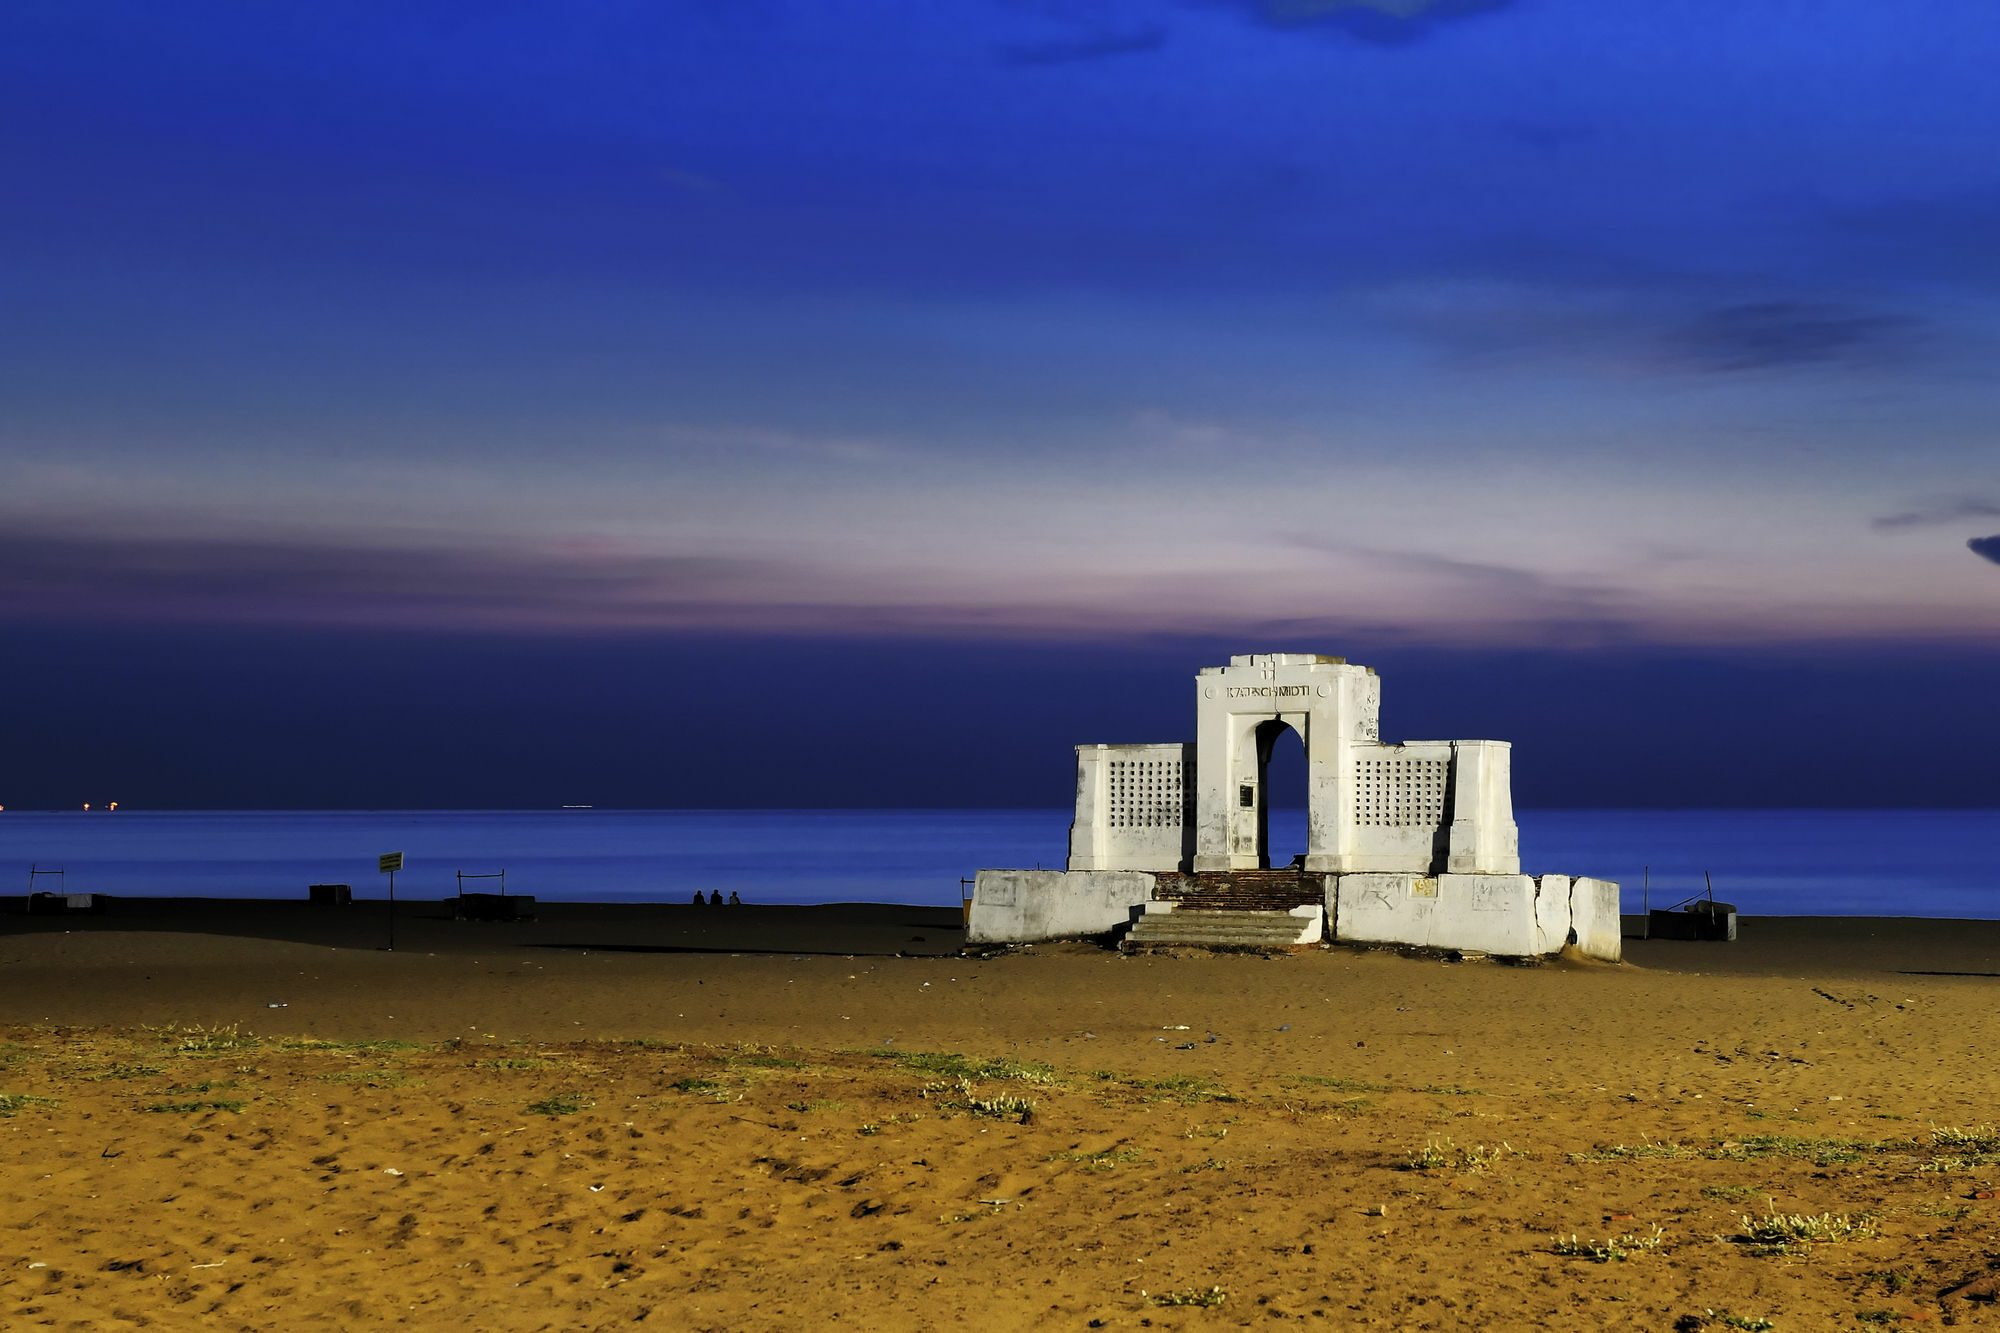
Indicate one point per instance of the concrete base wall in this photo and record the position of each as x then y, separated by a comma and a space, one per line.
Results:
1022, 906
1594, 918
1512, 915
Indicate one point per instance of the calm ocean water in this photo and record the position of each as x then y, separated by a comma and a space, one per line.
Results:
1768, 862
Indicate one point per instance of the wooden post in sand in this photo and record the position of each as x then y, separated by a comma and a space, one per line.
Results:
388, 863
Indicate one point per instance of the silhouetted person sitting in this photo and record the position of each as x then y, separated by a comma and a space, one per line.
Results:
699, 901
715, 898
734, 901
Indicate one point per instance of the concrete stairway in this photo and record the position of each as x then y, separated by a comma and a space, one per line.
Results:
1207, 929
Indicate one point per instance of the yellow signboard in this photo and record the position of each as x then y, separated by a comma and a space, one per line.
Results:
388, 861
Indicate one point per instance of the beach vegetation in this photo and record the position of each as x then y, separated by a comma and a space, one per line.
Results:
1108, 1159
10, 1102
1340, 1084
868, 1130
1622, 1152
1978, 1139
356, 1047
1892, 1279
1206, 1164
1444, 1155
1818, 1151
1778, 1233
125, 1071
1748, 1323
706, 1087
196, 1089
1612, 1249
1447, 1090
561, 1103
196, 1106
1195, 1296
1003, 1108
201, 1040
513, 1062
818, 1106
371, 1078
1732, 1193
947, 1064
1187, 1089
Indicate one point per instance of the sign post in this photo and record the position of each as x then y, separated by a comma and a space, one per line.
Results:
388, 863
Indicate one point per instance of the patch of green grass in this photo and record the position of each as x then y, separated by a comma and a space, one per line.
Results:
1208, 1164
1340, 1084
1622, 1152
1892, 1279
1108, 1160
704, 1086
947, 1064
206, 1085
315, 1044
513, 1062
1877, 1316
1748, 1323
1733, 1193
11, 1102
561, 1103
1978, 1139
1820, 1152
231, 1105
125, 1071
371, 1078
1187, 1089
1446, 1090
1208, 1299
818, 1106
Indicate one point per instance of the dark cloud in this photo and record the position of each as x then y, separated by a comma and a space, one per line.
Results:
1986, 548
1099, 47
299, 582
1768, 335
1382, 22
1945, 511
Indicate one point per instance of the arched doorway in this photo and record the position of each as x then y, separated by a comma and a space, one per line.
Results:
1281, 795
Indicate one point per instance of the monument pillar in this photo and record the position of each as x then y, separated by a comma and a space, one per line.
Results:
1329, 703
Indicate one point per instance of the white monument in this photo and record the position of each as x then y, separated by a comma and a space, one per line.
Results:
1410, 843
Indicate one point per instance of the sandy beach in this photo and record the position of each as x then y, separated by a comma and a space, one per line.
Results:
253, 1116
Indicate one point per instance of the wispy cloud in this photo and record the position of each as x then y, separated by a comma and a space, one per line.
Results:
1383, 22
1768, 335
1942, 511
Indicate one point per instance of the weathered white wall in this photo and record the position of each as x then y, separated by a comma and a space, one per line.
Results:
1513, 915
1399, 806
1594, 918
1132, 805
1021, 906
1497, 914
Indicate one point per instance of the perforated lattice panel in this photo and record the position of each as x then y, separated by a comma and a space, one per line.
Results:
1400, 792
1147, 793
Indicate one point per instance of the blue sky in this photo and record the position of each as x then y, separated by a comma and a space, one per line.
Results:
1535, 325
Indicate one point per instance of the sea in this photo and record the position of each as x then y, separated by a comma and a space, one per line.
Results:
1929, 863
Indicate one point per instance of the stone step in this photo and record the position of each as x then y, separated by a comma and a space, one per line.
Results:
1245, 902
1226, 929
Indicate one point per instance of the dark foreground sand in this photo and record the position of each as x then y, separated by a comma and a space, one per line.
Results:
768, 1119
